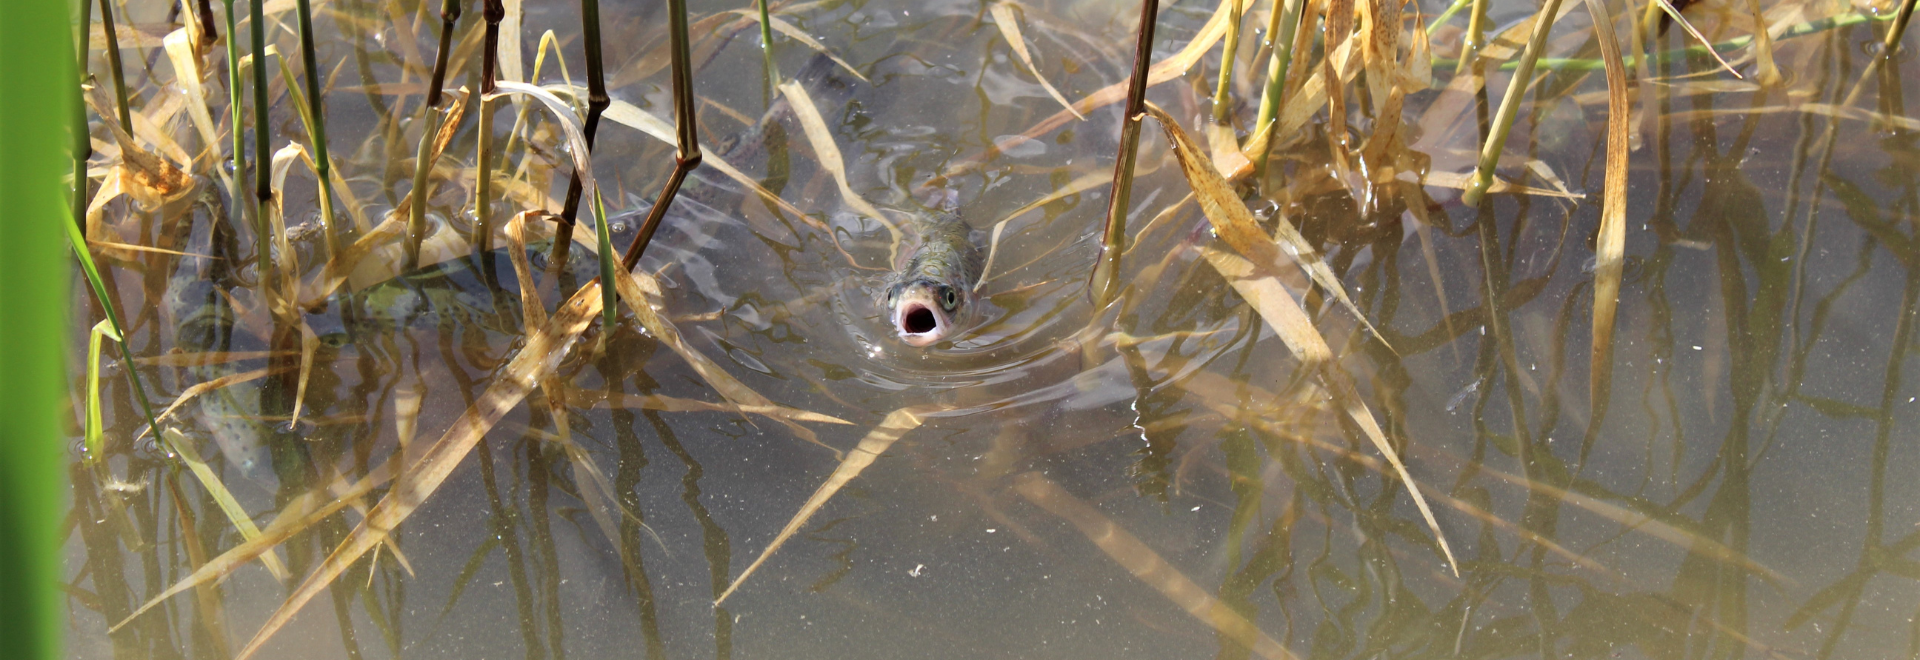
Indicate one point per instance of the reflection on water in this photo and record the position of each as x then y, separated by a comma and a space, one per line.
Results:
1157, 480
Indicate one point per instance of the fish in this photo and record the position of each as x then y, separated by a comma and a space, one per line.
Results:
204, 320
930, 297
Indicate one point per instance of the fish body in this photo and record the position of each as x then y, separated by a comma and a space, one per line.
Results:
204, 322
929, 296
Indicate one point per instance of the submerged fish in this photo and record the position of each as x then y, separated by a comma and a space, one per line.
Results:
929, 297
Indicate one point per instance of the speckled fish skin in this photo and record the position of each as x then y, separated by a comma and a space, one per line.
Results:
929, 297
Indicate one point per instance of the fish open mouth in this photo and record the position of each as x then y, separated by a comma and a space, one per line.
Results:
918, 320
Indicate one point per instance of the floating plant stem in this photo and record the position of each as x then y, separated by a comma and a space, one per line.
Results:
609, 295
1106, 273
1475, 38
317, 109
262, 182
687, 155
113, 63
423, 163
597, 102
1510, 105
482, 238
1220, 98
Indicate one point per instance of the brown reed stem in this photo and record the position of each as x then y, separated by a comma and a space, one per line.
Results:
417, 217
597, 102
317, 108
113, 64
482, 237
687, 157
1105, 278
263, 182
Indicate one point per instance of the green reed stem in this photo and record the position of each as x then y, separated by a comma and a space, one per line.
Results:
597, 102
1220, 98
113, 63
1104, 281
262, 148
687, 157
423, 162
1475, 38
317, 109
766, 50
1447, 15
237, 181
1510, 105
79, 245
482, 238
1282, 28
609, 293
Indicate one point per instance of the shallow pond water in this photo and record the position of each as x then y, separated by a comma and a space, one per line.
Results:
1161, 479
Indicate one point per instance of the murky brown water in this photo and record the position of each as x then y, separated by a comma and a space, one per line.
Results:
1747, 490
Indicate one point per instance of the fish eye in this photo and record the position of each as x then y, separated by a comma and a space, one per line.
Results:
948, 298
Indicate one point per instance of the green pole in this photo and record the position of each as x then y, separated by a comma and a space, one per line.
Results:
36, 67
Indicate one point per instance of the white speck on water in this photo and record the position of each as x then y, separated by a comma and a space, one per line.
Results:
934, 518
1194, 509
991, 530
1697, 348
917, 568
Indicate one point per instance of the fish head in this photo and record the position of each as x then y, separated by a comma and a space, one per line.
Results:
925, 311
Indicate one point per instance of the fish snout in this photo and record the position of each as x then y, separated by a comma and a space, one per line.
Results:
920, 324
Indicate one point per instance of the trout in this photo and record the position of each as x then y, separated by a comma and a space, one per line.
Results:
929, 297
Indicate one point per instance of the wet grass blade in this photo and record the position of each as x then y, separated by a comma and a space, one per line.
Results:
293, 519
1510, 104
423, 475
1147, 566
798, 35
1234, 223
217, 489
1282, 28
1341, 386
828, 152
1103, 283
92, 433
1221, 101
1003, 18
896, 424
1611, 239
1762, 47
677, 404
1688, 26
1261, 289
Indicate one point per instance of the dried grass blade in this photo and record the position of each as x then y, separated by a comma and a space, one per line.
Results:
292, 520
1275, 304
308, 341
829, 154
423, 475
221, 496
896, 424
1168, 69
1684, 25
677, 404
201, 388
186, 69
1762, 46
533, 312
798, 35
1349, 399
640, 291
1610, 243
1009, 25
1147, 566
631, 116
1235, 225
315, 290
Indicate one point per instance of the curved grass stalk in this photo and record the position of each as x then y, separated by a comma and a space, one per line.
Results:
1220, 98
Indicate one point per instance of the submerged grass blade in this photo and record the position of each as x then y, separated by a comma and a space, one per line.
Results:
897, 424
92, 434
423, 475
798, 35
1003, 18
1234, 223
824, 148
1611, 239
1148, 566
